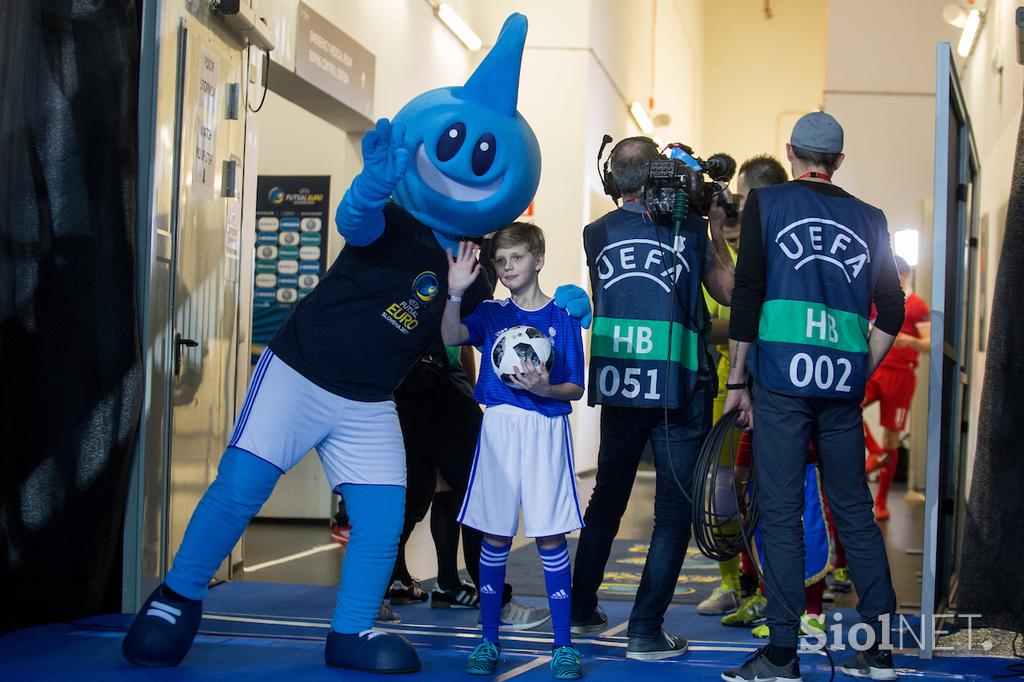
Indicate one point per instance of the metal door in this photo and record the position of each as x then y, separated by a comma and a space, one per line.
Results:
955, 228
204, 310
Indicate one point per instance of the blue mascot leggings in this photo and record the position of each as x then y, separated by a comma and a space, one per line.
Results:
243, 484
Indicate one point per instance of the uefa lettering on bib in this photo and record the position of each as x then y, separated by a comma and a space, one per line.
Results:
821, 273
644, 353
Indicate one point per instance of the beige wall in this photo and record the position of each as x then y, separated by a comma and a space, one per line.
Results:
760, 74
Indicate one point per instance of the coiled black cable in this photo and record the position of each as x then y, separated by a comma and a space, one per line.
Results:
724, 510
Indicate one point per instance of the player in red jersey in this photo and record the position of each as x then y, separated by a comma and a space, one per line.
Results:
892, 385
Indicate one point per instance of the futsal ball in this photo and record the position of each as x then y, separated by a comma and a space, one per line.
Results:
518, 346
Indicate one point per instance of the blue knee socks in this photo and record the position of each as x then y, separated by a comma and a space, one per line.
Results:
492, 587
376, 513
558, 580
243, 484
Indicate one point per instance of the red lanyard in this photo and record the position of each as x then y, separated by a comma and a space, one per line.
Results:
818, 176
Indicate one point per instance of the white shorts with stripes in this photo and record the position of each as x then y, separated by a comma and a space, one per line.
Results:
522, 459
285, 416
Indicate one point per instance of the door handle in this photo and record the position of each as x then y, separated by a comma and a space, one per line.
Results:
179, 342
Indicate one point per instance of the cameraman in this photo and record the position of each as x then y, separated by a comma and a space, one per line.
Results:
812, 260
646, 287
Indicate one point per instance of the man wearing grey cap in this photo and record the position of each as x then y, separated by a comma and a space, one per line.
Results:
812, 260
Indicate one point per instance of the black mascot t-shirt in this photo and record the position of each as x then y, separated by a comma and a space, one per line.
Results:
373, 314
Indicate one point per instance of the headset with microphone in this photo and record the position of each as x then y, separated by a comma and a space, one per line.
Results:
607, 180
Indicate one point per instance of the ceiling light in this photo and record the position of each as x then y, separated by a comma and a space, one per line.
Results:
640, 115
458, 26
970, 34
954, 15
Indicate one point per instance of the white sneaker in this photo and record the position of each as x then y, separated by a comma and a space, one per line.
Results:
720, 601
517, 616
387, 615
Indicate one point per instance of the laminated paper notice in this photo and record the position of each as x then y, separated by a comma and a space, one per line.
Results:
203, 174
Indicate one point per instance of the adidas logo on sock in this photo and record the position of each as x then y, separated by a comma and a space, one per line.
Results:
559, 595
486, 589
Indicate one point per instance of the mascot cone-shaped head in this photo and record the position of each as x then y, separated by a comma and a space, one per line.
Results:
474, 162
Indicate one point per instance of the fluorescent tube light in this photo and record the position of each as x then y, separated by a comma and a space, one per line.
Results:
643, 120
458, 26
970, 33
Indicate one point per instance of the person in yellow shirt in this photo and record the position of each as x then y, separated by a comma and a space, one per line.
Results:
758, 171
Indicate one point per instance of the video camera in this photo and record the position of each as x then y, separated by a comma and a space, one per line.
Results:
684, 172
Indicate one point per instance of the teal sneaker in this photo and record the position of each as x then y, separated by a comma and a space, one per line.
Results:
566, 663
484, 658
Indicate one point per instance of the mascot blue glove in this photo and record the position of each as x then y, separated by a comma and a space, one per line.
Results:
360, 216
576, 302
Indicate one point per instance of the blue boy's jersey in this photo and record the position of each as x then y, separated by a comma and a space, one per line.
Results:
491, 318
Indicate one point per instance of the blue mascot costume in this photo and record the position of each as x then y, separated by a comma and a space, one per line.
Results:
458, 162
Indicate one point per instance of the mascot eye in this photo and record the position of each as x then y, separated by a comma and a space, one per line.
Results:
451, 141
483, 154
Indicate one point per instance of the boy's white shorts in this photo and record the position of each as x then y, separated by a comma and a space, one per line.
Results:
286, 415
522, 458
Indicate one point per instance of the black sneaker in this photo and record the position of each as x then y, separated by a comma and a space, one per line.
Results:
662, 646
876, 665
464, 597
759, 669
596, 622
401, 594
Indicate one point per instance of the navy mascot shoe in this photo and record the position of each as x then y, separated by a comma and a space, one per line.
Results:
163, 630
372, 651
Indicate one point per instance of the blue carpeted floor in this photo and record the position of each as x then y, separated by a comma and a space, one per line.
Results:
260, 631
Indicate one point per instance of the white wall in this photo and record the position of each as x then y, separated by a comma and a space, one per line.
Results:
993, 83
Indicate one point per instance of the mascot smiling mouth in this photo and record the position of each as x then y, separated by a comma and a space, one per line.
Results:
436, 180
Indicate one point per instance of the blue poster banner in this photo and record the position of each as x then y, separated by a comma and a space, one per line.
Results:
292, 220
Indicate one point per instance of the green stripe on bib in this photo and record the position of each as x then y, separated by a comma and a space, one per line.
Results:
814, 324
643, 340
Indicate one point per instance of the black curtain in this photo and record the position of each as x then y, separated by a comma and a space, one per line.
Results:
70, 379
992, 555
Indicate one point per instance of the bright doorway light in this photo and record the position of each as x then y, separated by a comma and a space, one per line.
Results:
906, 244
458, 26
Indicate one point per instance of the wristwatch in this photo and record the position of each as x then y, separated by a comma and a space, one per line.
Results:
735, 387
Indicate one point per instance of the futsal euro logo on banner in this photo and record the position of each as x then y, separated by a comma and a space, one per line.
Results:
642, 258
826, 240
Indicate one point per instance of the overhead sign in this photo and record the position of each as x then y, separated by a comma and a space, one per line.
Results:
331, 60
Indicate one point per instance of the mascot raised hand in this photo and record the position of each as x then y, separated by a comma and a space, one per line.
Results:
454, 163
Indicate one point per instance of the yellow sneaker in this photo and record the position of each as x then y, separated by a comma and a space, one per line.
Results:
812, 624
750, 611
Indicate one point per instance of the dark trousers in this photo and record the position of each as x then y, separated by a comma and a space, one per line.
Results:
440, 430
624, 434
783, 425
